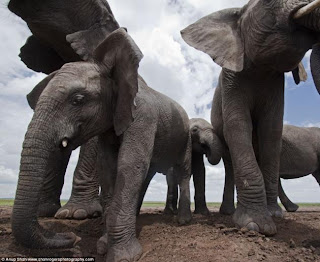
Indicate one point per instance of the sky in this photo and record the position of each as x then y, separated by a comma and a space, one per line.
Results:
169, 66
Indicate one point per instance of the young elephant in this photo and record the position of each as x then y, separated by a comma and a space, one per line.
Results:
62, 32
300, 156
255, 45
104, 97
204, 142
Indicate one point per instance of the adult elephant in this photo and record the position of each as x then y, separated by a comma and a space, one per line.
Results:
255, 45
105, 97
62, 32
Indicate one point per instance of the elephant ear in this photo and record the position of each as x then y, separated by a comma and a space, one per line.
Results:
218, 35
315, 65
119, 57
299, 74
34, 95
39, 57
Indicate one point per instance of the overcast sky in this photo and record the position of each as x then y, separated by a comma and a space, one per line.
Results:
169, 66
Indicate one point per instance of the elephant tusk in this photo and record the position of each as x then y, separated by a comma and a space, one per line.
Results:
65, 143
307, 9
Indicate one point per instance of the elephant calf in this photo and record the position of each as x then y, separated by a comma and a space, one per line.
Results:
140, 132
204, 142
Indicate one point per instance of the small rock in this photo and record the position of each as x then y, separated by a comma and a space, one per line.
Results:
220, 226
244, 230
312, 249
251, 253
267, 239
292, 244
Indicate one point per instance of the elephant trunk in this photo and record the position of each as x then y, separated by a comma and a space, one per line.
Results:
37, 149
215, 150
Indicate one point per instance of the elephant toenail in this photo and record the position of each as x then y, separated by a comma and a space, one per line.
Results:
62, 214
80, 214
253, 226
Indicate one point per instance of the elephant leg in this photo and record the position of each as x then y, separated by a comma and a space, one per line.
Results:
108, 149
286, 202
52, 187
133, 165
251, 211
199, 180
84, 201
183, 172
172, 193
227, 207
269, 132
145, 186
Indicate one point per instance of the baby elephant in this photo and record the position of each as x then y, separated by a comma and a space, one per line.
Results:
204, 142
300, 156
140, 132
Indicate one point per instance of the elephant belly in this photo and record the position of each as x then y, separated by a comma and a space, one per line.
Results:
298, 163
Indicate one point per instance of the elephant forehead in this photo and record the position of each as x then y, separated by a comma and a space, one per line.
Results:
73, 77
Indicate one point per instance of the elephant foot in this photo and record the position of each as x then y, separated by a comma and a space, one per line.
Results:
203, 210
184, 217
275, 210
128, 251
258, 220
170, 211
227, 209
48, 209
291, 207
79, 211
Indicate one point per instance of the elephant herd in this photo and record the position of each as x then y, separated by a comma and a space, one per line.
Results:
93, 97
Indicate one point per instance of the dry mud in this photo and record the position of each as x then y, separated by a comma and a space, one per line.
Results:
206, 239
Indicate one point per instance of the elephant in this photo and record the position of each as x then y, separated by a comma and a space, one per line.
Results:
107, 98
300, 156
70, 33
204, 142
255, 45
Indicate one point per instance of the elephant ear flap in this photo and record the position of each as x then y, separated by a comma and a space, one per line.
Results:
34, 95
86, 41
119, 57
218, 35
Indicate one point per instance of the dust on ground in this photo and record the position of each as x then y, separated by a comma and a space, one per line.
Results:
205, 239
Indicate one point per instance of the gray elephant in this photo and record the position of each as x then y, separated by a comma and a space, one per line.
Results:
65, 32
204, 142
255, 45
300, 156
106, 98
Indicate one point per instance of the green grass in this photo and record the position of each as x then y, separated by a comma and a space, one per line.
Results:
9, 202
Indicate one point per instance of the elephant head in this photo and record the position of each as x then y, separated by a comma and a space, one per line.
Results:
73, 104
205, 141
269, 35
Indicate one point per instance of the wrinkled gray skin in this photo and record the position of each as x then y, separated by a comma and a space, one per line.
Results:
300, 156
108, 99
62, 32
255, 45
204, 142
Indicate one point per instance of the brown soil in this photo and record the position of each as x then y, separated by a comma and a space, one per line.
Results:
205, 239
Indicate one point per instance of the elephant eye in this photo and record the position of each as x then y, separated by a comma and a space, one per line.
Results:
77, 100
194, 129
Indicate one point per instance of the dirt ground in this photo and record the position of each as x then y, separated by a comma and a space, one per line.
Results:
205, 239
